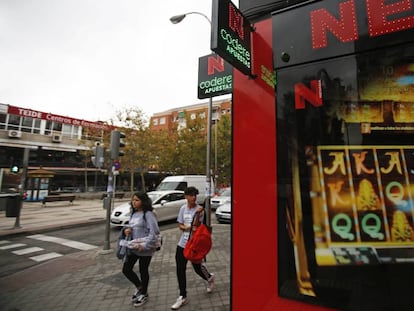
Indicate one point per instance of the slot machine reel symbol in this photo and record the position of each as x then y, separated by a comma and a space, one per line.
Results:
342, 226
371, 225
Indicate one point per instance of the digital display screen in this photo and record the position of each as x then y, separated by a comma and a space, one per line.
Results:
362, 204
345, 168
230, 35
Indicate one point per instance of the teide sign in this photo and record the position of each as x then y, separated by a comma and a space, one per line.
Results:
230, 35
215, 76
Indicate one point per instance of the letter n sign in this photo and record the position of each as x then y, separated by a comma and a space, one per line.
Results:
215, 76
313, 95
214, 62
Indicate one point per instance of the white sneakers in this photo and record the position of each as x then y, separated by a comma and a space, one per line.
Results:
141, 299
181, 301
210, 284
135, 295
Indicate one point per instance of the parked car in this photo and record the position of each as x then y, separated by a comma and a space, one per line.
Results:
223, 213
223, 197
166, 205
182, 182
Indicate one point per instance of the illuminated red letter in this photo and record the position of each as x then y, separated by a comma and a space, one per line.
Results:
236, 21
345, 29
214, 63
313, 95
379, 20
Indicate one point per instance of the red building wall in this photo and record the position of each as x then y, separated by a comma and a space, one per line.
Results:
254, 228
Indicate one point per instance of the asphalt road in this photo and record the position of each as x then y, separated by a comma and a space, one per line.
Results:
22, 252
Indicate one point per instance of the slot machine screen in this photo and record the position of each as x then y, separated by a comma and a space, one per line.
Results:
346, 180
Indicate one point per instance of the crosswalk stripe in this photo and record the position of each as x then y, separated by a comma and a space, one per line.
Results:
45, 256
62, 241
10, 246
4, 242
28, 250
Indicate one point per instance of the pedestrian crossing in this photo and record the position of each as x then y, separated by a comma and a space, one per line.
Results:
40, 254
74, 244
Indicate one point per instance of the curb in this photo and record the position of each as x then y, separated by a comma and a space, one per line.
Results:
24, 231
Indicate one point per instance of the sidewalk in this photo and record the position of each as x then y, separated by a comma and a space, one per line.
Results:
92, 280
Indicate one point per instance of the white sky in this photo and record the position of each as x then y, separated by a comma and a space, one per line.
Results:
87, 59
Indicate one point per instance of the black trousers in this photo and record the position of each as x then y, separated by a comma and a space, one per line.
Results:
181, 263
128, 271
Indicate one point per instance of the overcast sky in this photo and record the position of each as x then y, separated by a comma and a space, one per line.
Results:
89, 58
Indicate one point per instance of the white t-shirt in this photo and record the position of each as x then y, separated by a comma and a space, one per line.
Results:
185, 217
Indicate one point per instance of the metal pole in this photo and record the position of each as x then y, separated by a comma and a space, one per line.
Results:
177, 19
208, 169
110, 192
96, 179
215, 150
22, 185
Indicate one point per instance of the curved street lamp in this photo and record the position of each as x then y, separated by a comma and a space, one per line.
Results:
175, 20
178, 18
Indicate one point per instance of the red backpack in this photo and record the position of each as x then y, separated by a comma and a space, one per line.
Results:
199, 243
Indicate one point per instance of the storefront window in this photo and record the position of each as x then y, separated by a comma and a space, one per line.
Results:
346, 169
14, 122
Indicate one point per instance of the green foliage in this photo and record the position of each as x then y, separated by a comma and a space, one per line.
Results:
224, 139
181, 150
191, 147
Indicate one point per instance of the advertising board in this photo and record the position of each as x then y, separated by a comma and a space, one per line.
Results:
230, 35
215, 76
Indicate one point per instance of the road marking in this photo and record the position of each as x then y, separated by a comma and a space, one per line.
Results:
4, 242
10, 246
29, 250
61, 241
45, 256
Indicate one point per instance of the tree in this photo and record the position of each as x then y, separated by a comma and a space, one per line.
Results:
164, 149
191, 147
224, 139
134, 124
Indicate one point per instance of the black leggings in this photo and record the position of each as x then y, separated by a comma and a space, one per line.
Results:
128, 271
181, 263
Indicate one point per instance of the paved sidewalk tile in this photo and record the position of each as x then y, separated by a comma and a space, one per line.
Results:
95, 282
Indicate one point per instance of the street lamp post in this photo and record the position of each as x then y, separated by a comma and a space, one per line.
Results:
175, 20
178, 18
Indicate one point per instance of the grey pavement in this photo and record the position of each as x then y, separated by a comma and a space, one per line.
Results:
92, 280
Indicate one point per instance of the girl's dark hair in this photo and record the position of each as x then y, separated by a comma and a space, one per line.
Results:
146, 201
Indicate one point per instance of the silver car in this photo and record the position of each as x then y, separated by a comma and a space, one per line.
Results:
166, 206
222, 198
223, 213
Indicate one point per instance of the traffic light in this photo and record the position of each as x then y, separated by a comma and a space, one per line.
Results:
98, 156
116, 143
14, 168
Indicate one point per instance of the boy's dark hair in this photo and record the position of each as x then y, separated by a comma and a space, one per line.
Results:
191, 191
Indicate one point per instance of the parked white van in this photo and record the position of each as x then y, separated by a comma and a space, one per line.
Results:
181, 182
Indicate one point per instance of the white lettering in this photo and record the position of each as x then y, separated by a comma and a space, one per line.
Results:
30, 113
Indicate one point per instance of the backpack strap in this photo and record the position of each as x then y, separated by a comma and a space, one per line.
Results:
196, 221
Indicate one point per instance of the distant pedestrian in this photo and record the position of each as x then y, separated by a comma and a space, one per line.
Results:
185, 219
142, 225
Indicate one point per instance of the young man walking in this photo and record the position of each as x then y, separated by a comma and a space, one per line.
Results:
185, 220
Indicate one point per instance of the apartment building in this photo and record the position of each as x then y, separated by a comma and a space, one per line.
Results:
167, 119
